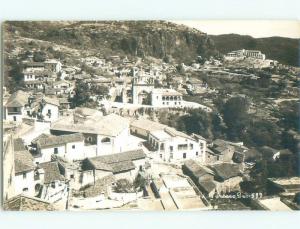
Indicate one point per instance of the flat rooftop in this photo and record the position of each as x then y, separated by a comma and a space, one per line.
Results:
181, 194
160, 134
274, 204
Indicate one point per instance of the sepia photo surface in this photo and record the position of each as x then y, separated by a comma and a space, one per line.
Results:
150, 115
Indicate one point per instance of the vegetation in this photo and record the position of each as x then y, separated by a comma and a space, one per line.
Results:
282, 49
82, 97
39, 56
132, 38
124, 186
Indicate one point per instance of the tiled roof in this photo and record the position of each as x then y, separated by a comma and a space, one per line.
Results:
43, 135
52, 172
17, 99
122, 166
19, 144
226, 170
23, 162
207, 186
196, 169
53, 101
27, 203
175, 133
52, 140
220, 149
147, 125
109, 125
197, 136
117, 162
85, 111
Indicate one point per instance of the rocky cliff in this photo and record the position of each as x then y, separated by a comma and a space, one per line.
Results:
158, 39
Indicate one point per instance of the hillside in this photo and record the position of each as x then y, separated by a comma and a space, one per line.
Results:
158, 39
285, 50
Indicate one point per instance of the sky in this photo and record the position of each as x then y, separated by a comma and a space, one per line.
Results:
254, 28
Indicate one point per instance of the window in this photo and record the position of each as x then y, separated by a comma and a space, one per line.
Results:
182, 147
53, 185
191, 146
55, 150
171, 155
49, 111
160, 155
72, 176
162, 146
24, 175
197, 153
37, 187
171, 148
184, 155
36, 175
25, 189
105, 140
73, 146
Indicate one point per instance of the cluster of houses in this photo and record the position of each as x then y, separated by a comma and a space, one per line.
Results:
88, 150
87, 147
22, 105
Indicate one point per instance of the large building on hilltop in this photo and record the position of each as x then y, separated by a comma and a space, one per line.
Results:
243, 53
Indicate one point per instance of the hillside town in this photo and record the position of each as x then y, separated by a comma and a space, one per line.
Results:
119, 132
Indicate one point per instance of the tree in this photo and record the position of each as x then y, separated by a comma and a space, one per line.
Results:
100, 90
140, 182
297, 198
39, 56
261, 133
124, 186
13, 75
82, 94
235, 116
289, 115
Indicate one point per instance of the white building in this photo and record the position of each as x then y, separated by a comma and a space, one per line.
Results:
166, 98
109, 134
123, 165
63, 87
24, 173
14, 109
53, 65
171, 145
256, 54
54, 185
50, 109
70, 147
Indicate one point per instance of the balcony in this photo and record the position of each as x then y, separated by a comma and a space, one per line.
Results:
14, 113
